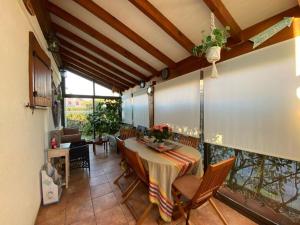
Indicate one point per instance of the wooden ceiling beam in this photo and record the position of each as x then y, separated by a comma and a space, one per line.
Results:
193, 63
224, 16
79, 51
100, 52
91, 74
43, 17
102, 14
57, 11
97, 73
164, 23
72, 55
69, 68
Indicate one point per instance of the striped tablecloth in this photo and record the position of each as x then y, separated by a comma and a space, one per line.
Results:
163, 169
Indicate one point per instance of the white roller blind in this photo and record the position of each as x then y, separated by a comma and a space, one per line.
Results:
140, 109
177, 102
127, 108
253, 104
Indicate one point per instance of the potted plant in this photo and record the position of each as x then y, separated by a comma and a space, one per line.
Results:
106, 119
160, 133
211, 46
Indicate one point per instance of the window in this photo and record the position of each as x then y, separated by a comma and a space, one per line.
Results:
79, 96
77, 85
76, 112
103, 91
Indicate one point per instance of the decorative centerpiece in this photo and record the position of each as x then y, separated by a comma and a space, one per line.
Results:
212, 44
160, 132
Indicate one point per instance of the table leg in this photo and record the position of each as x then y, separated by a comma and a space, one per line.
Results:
67, 169
94, 148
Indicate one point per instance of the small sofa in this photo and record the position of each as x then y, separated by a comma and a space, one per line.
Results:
70, 135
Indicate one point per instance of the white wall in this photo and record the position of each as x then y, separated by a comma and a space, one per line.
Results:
23, 135
253, 104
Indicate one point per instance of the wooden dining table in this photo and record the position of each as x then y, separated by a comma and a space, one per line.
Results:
164, 168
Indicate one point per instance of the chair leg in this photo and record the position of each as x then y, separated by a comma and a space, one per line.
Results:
129, 187
116, 181
130, 192
145, 214
218, 211
187, 217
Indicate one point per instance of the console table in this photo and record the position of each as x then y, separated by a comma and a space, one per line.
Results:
62, 151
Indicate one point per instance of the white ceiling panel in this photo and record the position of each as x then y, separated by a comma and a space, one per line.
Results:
88, 18
98, 44
249, 12
191, 17
132, 17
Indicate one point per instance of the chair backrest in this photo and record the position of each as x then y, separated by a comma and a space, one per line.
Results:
212, 180
136, 164
121, 147
127, 133
190, 141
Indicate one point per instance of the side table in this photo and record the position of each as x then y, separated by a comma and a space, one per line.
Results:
62, 151
104, 141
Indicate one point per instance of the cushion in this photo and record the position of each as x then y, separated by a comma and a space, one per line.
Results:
187, 185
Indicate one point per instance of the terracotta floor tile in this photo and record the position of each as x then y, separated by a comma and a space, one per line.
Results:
51, 217
48, 213
87, 221
112, 216
100, 190
96, 173
104, 202
79, 211
98, 180
113, 175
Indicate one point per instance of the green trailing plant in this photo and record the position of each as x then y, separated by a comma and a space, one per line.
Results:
217, 38
106, 119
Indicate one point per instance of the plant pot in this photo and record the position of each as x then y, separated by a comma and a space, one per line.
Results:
213, 54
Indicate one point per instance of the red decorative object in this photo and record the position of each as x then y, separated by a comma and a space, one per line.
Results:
53, 143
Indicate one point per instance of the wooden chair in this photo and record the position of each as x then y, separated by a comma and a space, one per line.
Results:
190, 141
198, 191
142, 177
121, 148
127, 133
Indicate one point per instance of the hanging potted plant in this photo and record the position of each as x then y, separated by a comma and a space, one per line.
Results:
212, 44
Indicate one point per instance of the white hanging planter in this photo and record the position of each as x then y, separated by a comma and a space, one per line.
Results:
213, 55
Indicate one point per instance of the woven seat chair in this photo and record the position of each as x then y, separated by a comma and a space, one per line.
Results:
142, 177
198, 191
188, 140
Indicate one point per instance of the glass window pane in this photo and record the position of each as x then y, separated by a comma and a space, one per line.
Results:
78, 85
76, 112
103, 91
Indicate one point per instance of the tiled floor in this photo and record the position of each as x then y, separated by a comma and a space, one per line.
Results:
96, 200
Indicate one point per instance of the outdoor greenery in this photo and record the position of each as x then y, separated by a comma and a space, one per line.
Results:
106, 119
217, 38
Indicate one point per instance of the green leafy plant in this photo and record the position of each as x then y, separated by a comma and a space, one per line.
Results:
106, 119
217, 38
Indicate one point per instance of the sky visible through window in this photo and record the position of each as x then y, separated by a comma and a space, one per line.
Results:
78, 85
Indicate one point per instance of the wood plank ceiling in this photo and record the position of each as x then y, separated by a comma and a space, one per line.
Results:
119, 43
